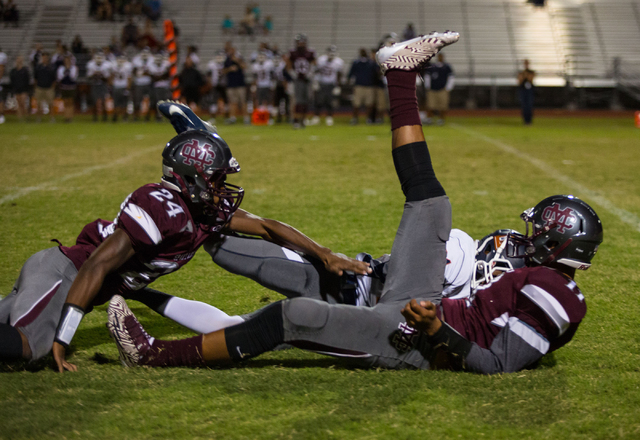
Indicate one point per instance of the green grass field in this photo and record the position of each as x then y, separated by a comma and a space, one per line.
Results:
338, 185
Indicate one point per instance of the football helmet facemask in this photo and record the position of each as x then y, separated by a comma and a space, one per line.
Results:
564, 230
492, 257
196, 164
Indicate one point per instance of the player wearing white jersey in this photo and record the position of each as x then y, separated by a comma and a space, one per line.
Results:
141, 80
263, 79
99, 73
159, 71
217, 82
3, 62
329, 76
121, 81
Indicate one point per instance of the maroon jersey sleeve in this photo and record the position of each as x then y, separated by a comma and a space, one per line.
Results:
516, 320
151, 215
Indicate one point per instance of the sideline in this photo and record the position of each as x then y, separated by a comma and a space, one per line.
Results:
52, 183
625, 216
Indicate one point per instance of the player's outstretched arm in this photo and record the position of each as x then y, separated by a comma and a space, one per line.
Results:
287, 236
109, 256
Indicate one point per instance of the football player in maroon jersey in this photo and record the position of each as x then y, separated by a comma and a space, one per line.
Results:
301, 60
158, 230
511, 323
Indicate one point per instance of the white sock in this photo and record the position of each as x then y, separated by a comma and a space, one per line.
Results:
197, 316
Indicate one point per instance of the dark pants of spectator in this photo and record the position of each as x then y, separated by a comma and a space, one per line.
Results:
526, 102
281, 96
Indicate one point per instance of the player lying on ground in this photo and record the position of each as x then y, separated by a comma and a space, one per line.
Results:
510, 325
295, 275
158, 230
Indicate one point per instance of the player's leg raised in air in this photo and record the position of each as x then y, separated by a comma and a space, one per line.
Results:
416, 267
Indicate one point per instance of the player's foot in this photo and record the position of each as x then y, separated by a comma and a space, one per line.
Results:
413, 54
329, 121
314, 120
182, 117
2, 119
130, 338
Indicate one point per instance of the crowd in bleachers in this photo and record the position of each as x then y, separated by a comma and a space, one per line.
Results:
111, 9
250, 24
9, 13
123, 80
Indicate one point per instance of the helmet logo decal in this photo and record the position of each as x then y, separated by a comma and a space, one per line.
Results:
196, 154
563, 218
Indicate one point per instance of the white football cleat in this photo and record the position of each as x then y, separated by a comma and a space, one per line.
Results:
121, 322
413, 54
329, 121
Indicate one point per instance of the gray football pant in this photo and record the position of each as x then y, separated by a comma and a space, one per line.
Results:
379, 336
35, 303
275, 268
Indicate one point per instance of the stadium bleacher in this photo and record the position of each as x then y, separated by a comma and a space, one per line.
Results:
566, 39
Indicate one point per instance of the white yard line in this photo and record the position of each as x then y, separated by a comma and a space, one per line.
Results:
47, 185
583, 192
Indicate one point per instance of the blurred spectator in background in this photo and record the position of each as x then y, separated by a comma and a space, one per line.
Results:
267, 26
20, 81
115, 47
133, 7
67, 77
227, 25
45, 75
61, 52
99, 74
191, 81
10, 13
192, 54
152, 9
141, 83
36, 54
3, 87
108, 55
159, 69
217, 84
409, 32
77, 46
147, 39
121, 81
130, 34
236, 86
248, 23
526, 92
301, 61
329, 75
380, 99
362, 74
104, 10
262, 70
439, 81
282, 100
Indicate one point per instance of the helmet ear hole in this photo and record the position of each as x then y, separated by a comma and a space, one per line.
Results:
190, 180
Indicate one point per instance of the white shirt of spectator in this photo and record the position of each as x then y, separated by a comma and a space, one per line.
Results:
73, 72
141, 75
328, 69
213, 70
3, 59
121, 74
156, 69
263, 73
105, 69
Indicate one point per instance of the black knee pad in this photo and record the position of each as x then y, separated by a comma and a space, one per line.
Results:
10, 343
263, 332
305, 312
415, 171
